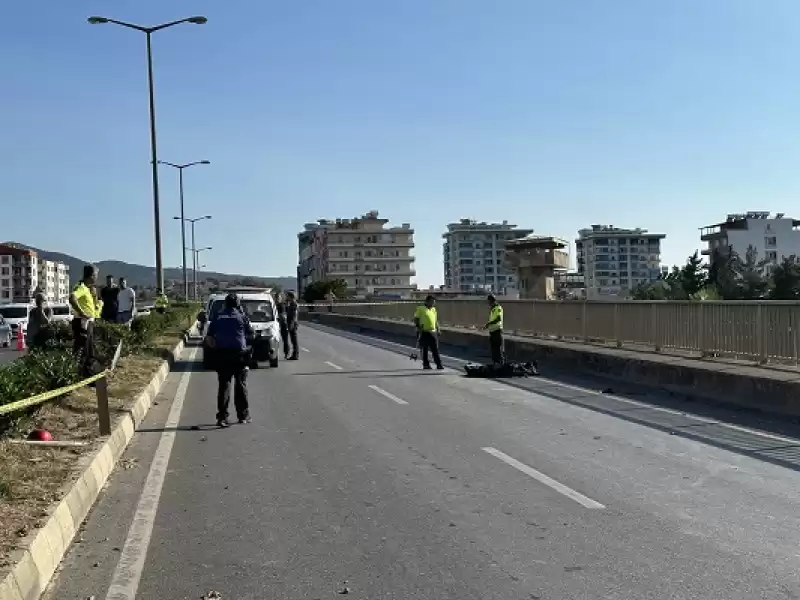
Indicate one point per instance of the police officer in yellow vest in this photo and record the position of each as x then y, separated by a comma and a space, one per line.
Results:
427, 321
495, 327
87, 307
161, 301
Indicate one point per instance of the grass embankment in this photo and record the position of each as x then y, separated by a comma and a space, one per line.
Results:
33, 478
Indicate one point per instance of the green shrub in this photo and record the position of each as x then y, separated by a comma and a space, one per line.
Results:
55, 366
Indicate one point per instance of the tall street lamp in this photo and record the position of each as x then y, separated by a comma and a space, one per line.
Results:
183, 221
194, 251
149, 31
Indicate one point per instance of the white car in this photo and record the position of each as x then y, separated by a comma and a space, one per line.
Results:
259, 307
5, 333
16, 316
61, 313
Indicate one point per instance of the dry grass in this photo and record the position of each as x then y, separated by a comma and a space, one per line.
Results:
33, 478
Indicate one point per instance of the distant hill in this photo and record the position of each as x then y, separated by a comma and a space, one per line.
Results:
141, 275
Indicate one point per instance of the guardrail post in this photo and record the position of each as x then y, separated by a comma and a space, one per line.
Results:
761, 331
584, 325
103, 413
616, 325
654, 326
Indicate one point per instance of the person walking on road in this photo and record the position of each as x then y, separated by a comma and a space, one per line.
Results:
427, 321
109, 295
280, 306
292, 310
87, 308
126, 303
228, 333
495, 327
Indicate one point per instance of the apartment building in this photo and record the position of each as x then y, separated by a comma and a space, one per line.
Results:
773, 237
614, 261
53, 281
19, 274
474, 256
373, 258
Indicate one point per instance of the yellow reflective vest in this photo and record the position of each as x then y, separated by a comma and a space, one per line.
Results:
495, 312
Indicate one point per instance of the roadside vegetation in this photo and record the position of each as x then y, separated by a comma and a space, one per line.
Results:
727, 276
32, 478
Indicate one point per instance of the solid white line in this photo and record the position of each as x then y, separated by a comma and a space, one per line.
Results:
330, 364
383, 392
305, 349
542, 478
125, 581
671, 411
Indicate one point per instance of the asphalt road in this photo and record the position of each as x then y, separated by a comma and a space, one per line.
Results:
362, 474
8, 354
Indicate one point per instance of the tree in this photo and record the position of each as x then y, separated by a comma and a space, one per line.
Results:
692, 278
785, 280
722, 273
320, 290
751, 276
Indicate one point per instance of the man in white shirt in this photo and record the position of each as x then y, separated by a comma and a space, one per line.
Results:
126, 303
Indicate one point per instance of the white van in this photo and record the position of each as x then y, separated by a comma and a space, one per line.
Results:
259, 307
61, 313
16, 315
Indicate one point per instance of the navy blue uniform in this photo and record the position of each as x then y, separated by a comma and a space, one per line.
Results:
291, 326
230, 330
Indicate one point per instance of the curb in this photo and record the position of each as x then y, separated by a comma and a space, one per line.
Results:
33, 570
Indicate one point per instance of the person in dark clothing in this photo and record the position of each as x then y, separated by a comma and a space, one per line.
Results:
280, 306
228, 334
291, 324
39, 324
109, 295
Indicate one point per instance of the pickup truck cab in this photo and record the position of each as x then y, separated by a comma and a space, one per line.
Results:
259, 307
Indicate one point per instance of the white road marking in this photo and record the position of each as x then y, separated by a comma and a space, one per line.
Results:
542, 478
128, 573
305, 349
671, 411
388, 395
330, 364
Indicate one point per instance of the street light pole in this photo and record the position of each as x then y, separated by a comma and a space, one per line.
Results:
182, 217
148, 31
193, 250
196, 261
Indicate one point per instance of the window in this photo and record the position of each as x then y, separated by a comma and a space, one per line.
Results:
771, 241
772, 256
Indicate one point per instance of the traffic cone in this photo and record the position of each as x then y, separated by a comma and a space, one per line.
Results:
20, 339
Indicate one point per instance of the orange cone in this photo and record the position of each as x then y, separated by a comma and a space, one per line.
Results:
20, 338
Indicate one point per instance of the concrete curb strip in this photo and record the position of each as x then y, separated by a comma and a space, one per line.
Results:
37, 563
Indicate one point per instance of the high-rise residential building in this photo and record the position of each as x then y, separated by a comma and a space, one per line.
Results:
773, 237
54, 281
614, 261
373, 259
474, 256
19, 274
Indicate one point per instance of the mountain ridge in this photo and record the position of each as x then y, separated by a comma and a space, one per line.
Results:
144, 276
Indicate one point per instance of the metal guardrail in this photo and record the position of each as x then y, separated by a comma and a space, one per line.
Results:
101, 388
764, 332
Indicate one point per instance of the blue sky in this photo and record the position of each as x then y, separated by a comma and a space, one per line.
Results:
554, 115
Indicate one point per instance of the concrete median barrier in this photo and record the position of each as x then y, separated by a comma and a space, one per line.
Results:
771, 391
